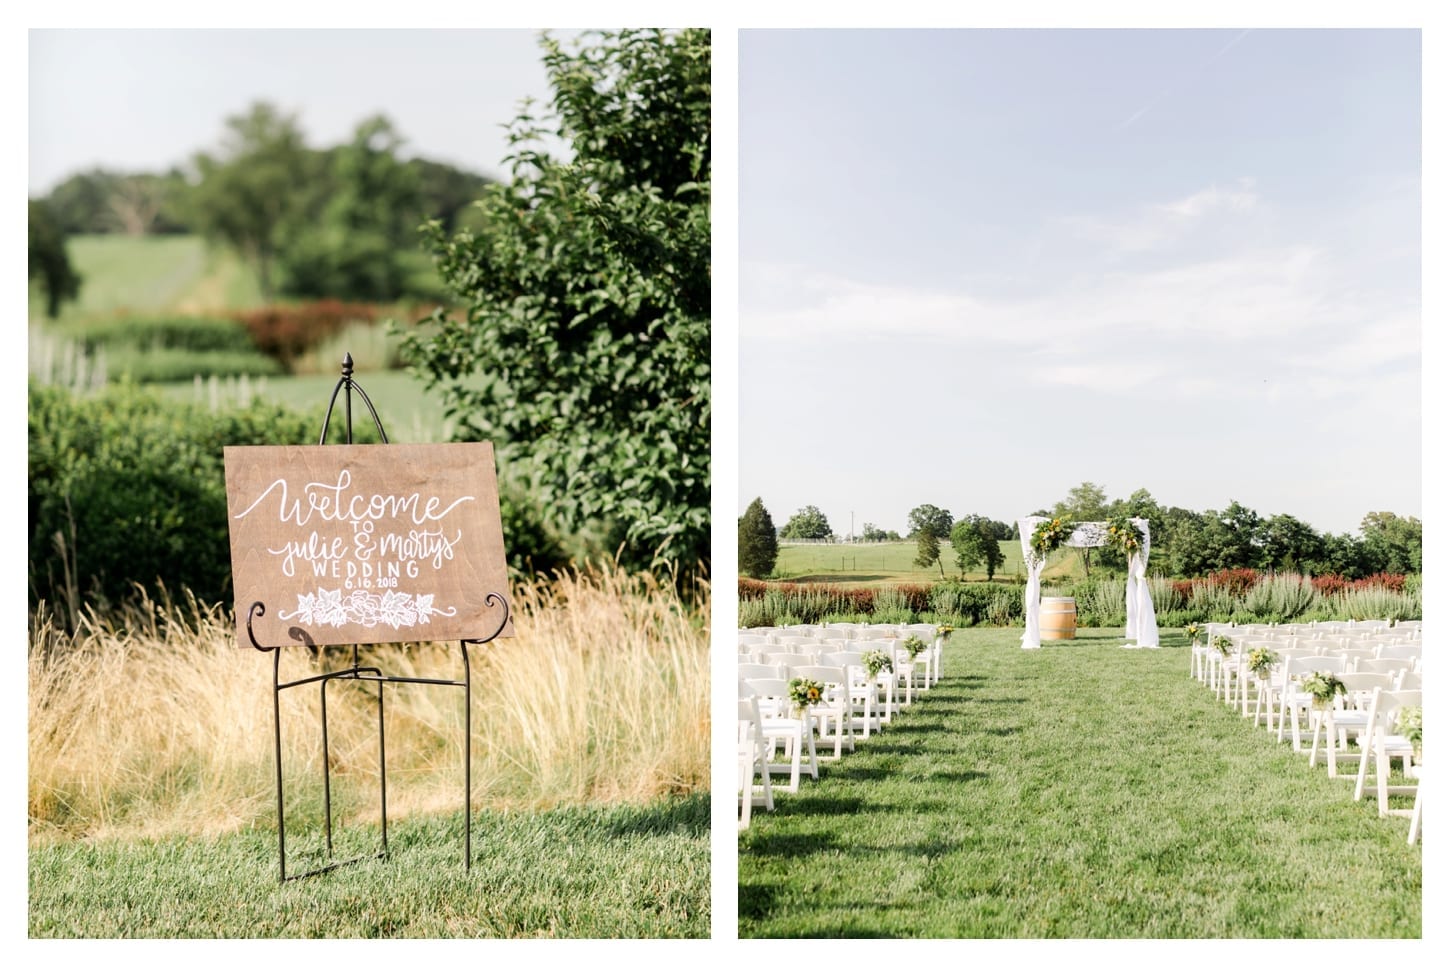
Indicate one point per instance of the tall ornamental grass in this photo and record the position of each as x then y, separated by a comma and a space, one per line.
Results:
153, 722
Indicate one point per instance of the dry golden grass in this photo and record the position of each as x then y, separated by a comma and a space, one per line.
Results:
153, 721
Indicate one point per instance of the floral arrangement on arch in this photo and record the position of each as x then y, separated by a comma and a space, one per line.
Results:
1049, 535
1123, 534
806, 691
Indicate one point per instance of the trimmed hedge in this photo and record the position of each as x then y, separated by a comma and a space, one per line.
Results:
127, 489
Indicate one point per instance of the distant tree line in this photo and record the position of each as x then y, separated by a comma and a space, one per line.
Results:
1183, 543
340, 222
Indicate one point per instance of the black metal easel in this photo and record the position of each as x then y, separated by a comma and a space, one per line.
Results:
360, 673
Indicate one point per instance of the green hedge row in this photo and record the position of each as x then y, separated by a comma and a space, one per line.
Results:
1100, 603
127, 489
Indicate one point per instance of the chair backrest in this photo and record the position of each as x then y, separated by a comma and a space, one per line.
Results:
1359, 687
773, 694
1400, 651
793, 663
1386, 705
1313, 663
1352, 656
1410, 682
829, 675
748, 670
744, 639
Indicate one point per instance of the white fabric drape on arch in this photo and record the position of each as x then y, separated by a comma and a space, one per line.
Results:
1142, 625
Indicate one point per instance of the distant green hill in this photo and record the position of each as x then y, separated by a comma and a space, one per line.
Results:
153, 274
892, 563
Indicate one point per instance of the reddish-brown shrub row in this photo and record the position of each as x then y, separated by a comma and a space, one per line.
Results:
1334, 584
285, 332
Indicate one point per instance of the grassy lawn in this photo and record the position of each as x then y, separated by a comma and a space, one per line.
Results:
1082, 790
409, 414
891, 563
153, 274
605, 872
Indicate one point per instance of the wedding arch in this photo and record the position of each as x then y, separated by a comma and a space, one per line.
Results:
1041, 535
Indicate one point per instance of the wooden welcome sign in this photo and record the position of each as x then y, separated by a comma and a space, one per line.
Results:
358, 544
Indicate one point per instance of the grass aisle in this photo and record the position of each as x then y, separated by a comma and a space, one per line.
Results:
1082, 790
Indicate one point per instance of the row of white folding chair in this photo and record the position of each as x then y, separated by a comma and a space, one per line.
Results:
873, 707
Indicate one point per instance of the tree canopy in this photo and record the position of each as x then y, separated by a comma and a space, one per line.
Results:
807, 524
929, 517
48, 261
757, 545
583, 342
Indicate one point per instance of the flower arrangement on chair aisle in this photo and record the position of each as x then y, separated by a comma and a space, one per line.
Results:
805, 692
1123, 534
1411, 725
876, 662
945, 631
1262, 660
1221, 644
914, 645
1192, 631
1049, 535
1322, 687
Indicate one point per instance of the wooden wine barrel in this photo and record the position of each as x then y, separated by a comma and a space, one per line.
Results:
1058, 619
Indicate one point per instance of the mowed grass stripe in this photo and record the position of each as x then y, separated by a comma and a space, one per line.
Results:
1082, 790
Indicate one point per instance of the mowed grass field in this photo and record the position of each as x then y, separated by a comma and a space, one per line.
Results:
153, 274
893, 563
182, 275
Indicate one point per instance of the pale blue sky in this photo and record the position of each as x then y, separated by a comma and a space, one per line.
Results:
978, 267
145, 100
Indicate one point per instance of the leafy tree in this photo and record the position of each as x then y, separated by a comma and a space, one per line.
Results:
48, 261
1086, 501
446, 193
870, 532
1288, 544
251, 190
1347, 556
807, 524
757, 544
355, 248
1392, 543
931, 518
584, 344
928, 550
975, 541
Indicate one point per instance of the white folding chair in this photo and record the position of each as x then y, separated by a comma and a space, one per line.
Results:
778, 724
751, 760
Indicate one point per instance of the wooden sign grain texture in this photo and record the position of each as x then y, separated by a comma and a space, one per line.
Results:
366, 543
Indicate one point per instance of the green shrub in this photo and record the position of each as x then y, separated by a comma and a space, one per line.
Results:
126, 489
199, 335
177, 365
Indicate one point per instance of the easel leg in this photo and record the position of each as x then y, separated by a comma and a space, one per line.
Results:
467, 761
277, 749
326, 772
382, 768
